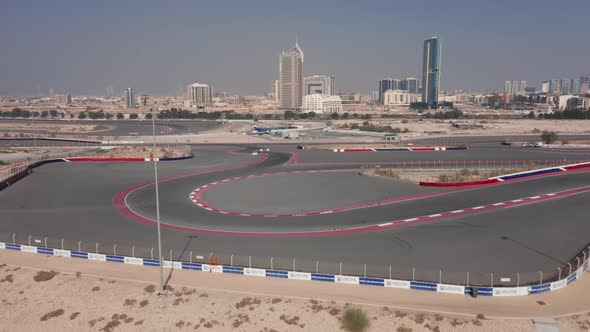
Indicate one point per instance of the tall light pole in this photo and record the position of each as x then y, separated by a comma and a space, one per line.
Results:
157, 202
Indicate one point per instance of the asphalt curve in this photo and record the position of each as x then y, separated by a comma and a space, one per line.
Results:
74, 201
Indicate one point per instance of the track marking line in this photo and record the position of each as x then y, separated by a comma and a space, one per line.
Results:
457, 211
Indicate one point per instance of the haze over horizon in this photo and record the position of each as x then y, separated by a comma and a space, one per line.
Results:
158, 47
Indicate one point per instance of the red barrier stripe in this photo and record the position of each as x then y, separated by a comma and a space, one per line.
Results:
585, 165
459, 184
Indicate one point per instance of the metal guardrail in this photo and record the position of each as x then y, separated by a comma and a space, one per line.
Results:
189, 254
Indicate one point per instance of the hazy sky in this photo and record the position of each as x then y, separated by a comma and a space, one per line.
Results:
81, 46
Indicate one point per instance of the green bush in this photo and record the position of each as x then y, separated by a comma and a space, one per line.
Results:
355, 320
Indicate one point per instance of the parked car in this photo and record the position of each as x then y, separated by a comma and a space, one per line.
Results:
532, 145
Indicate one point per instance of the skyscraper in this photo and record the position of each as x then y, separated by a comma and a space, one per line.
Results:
384, 85
129, 98
291, 78
576, 86
522, 88
411, 84
321, 84
508, 87
584, 84
431, 72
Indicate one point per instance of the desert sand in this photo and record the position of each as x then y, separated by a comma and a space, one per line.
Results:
56, 294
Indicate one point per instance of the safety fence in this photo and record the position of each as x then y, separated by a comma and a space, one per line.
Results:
445, 165
494, 283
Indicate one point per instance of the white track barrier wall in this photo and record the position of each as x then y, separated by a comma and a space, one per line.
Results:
379, 282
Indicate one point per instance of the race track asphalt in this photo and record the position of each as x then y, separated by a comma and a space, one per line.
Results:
74, 201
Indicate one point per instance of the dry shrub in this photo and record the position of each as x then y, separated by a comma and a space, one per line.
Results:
74, 315
247, 301
54, 313
419, 319
129, 302
44, 276
275, 300
334, 311
404, 329
143, 303
8, 278
290, 321
399, 314
355, 320
150, 289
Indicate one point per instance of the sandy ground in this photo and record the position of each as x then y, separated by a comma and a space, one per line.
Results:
141, 152
450, 175
490, 127
88, 295
54, 127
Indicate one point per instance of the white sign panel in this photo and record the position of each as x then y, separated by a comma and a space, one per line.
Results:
397, 283
2, 245
212, 268
346, 280
254, 272
172, 265
28, 248
133, 260
97, 257
299, 275
510, 291
63, 253
558, 284
451, 289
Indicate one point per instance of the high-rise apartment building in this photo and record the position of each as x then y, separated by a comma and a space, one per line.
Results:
565, 87
291, 78
431, 63
555, 87
546, 86
411, 85
384, 85
277, 89
522, 88
319, 84
129, 98
199, 94
508, 87
576, 86
585, 84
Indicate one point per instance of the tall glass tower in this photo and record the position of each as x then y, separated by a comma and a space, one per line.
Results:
291, 78
431, 72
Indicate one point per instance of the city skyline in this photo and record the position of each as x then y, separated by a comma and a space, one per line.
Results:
90, 48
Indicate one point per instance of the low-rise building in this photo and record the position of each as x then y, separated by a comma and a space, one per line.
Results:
322, 103
399, 97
